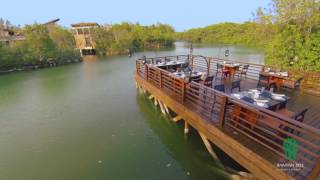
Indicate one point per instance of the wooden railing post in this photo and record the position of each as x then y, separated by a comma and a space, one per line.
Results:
209, 64
223, 111
160, 73
183, 91
137, 66
147, 72
191, 61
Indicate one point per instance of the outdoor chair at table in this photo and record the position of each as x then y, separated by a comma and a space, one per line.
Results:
220, 87
282, 105
242, 71
195, 78
171, 70
158, 61
236, 85
207, 81
298, 116
265, 81
185, 65
221, 70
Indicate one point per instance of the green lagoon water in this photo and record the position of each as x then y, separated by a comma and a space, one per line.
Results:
86, 121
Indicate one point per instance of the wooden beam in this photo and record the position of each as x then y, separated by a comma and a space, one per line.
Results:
151, 96
155, 102
186, 127
209, 148
162, 108
139, 90
166, 108
177, 118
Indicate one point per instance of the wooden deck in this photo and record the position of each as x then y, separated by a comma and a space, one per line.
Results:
243, 131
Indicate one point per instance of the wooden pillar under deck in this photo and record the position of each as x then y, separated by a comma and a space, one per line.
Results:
186, 127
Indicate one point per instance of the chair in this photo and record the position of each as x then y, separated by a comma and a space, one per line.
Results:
265, 81
298, 116
195, 78
187, 70
243, 71
171, 70
221, 70
235, 85
219, 87
207, 81
282, 105
185, 65
158, 61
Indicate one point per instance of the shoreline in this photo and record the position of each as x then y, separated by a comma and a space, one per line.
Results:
49, 64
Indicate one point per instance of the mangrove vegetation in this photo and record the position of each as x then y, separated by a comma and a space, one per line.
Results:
288, 31
124, 37
41, 46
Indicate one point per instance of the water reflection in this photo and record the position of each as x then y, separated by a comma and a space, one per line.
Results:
189, 152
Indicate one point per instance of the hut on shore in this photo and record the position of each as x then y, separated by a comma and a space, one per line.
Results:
7, 36
83, 38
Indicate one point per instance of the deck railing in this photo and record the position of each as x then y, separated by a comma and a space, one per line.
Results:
271, 130
201, 63
264, 127
310, 83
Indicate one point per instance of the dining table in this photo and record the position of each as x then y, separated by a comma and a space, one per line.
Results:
170, 64
232, 67
188, 76
260, 98
277, 77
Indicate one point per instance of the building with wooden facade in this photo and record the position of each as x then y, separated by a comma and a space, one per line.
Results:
83, 38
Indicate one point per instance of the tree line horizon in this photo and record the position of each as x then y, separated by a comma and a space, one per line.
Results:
288, 32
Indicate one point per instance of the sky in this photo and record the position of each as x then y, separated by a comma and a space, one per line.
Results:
181, 14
